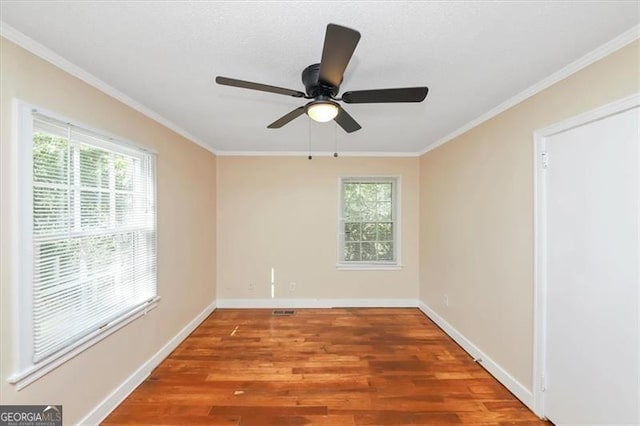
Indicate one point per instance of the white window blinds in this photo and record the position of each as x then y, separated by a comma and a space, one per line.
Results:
94, 233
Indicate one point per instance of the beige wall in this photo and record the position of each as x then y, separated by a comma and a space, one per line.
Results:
282, 212
476, 213
186, 235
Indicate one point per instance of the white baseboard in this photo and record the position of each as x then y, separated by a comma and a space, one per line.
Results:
104, 408
316, 303
520, 391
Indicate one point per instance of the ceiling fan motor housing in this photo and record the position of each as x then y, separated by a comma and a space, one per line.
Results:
314, 87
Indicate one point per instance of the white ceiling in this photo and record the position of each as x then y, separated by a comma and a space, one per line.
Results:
473, 55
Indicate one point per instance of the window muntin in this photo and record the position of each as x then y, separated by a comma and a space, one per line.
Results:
368, 222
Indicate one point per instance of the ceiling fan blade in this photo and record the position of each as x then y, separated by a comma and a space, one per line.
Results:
407, 94
339, 44
257, 86
286, 118
346, 121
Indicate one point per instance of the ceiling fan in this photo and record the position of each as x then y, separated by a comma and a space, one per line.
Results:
322, 84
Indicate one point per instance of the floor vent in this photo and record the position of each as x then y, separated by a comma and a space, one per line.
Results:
280, 312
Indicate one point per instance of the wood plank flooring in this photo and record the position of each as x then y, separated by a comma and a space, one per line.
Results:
320, 367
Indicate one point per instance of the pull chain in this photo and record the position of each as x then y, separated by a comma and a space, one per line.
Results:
309, 126
335, 138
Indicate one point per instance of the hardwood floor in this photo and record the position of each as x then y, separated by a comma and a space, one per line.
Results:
323, 367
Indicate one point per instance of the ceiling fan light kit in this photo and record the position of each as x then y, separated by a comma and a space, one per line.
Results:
322, 84
322, 110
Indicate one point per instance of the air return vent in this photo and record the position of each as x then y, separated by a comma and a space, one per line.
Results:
281, 312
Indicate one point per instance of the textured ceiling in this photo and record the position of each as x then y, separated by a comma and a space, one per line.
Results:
473, 55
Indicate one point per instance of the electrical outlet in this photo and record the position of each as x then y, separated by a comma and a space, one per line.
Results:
252, 286
445, 300
292, 287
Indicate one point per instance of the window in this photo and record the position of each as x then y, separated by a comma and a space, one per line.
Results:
369, 224
89, 236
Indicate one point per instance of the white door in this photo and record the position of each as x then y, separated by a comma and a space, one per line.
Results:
592, 350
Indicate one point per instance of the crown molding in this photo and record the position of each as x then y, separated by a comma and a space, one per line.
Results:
314, 154
47, 54
52, 57
595, 55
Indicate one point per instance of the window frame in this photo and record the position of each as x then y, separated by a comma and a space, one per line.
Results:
26, 370
396, 203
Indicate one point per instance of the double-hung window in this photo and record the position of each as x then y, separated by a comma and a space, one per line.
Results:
88, 238
369, 225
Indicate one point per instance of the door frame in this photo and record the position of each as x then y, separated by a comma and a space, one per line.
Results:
540, 137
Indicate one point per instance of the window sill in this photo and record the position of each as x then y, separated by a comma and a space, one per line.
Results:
368, 267
34, 372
